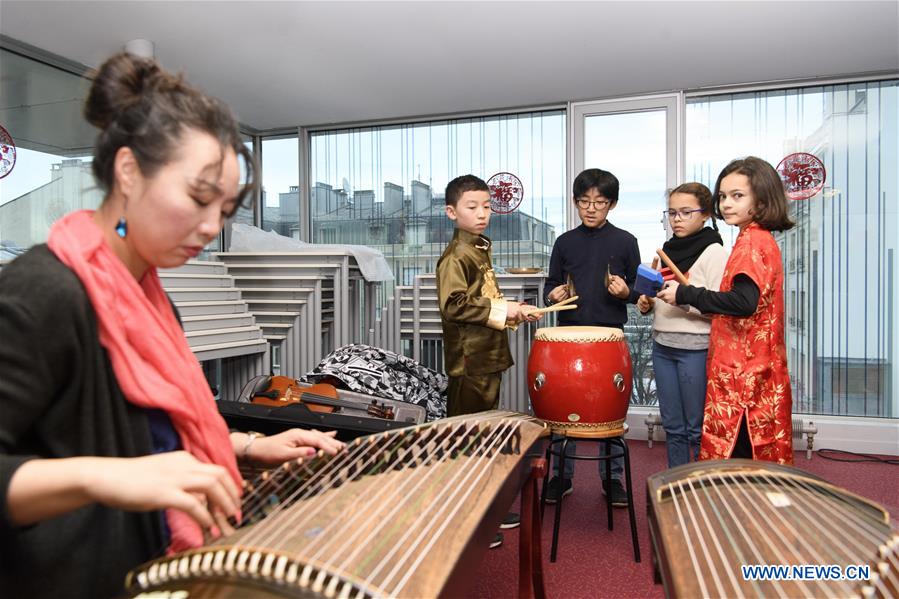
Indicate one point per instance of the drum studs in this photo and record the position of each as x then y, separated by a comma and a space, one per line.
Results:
618, 379
539, 381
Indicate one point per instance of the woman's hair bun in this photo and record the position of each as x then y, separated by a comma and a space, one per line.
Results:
138, 104
119, 84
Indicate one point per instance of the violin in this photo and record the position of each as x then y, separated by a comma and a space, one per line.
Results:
320, 397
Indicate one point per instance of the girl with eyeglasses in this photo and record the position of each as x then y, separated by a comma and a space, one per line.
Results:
681, 333
748, 401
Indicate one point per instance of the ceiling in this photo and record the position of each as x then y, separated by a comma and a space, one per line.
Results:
283, 64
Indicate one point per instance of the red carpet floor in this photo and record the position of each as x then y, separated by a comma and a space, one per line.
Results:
595, 562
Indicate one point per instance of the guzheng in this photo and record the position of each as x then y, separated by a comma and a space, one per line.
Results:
405, 513
709, 520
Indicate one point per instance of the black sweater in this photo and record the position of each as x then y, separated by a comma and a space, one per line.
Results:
583, 254
59, 398
741, 301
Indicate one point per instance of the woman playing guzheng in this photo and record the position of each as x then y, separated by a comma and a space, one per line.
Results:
111, 448
748, 398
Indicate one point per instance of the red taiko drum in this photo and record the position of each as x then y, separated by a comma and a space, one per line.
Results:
580, 379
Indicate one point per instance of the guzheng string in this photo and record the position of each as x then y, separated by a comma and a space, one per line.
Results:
802, 518
738, 522
838, 511
723, 525
266, 532
274, 524
734, 523
478, 470
703, 545
756, 516
287, 483
286, 521
878, 537
237, 557
390, 498
766, 552
428, 481
410, 496
675, 496
294, 487
744, 483
843, 520
721, 555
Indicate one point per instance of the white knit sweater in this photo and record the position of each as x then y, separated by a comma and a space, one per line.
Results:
705, 272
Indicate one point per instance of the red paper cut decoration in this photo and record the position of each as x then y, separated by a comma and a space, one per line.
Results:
7, 153
803, 175
506, 192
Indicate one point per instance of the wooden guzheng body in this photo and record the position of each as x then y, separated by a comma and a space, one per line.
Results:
399, 514
709, 518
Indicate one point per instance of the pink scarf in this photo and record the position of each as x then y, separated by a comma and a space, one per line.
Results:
152, 361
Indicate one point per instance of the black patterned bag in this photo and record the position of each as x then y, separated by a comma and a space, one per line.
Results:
383, 373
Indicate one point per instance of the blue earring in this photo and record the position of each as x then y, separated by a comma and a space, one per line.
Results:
121, 228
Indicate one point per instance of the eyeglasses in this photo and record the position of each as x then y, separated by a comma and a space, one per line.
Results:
596, 204
684, 214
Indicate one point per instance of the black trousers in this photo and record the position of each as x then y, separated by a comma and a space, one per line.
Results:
743, 446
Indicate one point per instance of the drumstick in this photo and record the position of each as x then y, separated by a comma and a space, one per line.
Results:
677, 273
556, 308
566, 301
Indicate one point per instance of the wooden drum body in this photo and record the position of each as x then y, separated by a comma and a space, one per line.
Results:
580, 379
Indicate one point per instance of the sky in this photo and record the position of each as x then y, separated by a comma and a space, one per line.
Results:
32, 169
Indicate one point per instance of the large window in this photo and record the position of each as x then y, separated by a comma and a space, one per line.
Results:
635, 139
41, 110
244, 214
840, 259
384, 186
280, 185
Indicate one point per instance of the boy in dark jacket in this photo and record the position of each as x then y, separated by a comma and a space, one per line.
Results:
598, 262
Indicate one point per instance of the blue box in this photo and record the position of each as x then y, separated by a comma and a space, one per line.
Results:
649, 281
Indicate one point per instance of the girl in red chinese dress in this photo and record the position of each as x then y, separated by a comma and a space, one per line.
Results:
748, 399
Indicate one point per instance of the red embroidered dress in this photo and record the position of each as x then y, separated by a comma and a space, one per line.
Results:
747, 363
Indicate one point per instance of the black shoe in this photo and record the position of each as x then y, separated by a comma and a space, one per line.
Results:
512, 520
497, 541
616, 493
554, 489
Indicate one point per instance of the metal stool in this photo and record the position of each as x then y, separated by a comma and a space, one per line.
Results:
615, 439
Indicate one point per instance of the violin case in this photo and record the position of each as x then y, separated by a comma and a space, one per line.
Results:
349, 421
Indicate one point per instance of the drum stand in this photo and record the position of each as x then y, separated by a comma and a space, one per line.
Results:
612, 440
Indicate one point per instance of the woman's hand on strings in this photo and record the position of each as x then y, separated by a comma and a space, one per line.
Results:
668, 293
43, 489
291, 444
205, 492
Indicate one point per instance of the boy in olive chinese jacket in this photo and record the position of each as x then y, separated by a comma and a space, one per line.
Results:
473, 312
